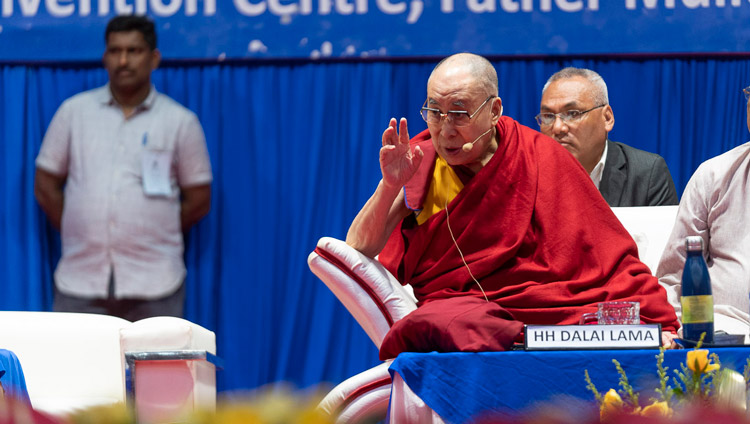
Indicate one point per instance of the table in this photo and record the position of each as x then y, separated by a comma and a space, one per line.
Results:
458, 386
168, 385
11, 376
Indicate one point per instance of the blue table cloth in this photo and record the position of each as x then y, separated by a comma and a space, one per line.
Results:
11, 376
462, 386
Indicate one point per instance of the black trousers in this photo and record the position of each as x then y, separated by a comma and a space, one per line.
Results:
131, 309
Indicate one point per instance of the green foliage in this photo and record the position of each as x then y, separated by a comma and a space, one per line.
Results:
627, 393
693, 382
665, 391
690, 385
590, 385
746, 371
700, 341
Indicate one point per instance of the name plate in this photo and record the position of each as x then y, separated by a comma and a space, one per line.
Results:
577, 337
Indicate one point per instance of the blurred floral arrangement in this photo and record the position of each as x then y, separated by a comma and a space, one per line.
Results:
279, 404
700, 383
272, 405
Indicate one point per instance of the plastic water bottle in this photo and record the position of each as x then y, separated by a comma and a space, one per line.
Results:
697, 300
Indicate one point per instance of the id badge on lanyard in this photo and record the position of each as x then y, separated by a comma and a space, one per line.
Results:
155, 166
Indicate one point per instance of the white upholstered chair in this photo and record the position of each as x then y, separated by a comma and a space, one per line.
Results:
650, 227
376, 300
70, 361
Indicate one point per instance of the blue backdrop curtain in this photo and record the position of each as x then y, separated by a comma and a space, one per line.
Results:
294, 149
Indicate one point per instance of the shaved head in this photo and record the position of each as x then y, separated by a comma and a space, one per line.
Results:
477, 66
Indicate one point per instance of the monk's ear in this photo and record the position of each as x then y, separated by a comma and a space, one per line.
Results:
497, 109
609, 118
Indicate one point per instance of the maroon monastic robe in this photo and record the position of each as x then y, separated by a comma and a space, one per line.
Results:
535, 232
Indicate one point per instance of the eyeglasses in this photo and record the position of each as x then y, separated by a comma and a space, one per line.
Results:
459, 118
569, 116
746, 92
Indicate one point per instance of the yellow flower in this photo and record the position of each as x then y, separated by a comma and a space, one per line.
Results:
612, 405
656, 410
698, 362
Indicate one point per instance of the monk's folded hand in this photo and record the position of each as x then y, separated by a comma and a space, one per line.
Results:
667, 340
398, 161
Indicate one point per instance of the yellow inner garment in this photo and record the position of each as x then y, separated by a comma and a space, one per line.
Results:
444, 187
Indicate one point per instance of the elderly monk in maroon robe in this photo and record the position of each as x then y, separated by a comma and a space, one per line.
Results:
493, 224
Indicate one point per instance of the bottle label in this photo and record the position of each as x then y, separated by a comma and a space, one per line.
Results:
697, 309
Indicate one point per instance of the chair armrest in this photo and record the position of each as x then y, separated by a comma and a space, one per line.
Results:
370, 293
360, 398
168, 334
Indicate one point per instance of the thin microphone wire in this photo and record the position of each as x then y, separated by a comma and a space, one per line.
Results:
475, 140
448, 221
483, 134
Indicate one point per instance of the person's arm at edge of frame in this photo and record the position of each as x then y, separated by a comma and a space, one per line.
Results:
385, 209
195, 204
48, 190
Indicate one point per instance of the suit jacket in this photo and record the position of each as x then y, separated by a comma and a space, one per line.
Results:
633, 177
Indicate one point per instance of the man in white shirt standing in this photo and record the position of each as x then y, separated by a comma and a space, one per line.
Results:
123, 170
575, 111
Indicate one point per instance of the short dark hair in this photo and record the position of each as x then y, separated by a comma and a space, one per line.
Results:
141, 24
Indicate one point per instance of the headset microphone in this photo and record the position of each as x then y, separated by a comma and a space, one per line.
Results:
468, 146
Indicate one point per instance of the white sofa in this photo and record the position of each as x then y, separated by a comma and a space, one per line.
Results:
376, 300
70, 361
74, 361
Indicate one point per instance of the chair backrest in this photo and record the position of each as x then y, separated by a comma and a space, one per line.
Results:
70, 361
650, 227
370, 293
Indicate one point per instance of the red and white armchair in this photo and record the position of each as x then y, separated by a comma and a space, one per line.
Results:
376, 300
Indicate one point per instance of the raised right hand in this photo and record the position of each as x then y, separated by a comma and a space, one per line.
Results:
398, 162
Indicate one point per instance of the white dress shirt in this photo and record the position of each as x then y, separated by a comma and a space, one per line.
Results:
108, 223
715, 206
596, 173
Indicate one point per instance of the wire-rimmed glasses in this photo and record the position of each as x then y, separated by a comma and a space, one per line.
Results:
546, 119
459, 118
746, 92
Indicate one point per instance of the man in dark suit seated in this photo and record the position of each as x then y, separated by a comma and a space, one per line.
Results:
575, 111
